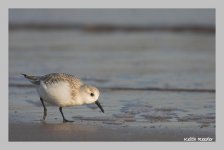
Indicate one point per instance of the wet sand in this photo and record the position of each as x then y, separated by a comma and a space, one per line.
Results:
82, 132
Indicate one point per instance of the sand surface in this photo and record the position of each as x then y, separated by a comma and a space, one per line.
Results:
82, 132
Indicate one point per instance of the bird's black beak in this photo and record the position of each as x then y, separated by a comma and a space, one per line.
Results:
99, 105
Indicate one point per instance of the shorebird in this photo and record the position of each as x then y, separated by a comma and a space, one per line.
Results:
64, 90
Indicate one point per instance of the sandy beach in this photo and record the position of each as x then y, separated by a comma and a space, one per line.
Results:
82, 132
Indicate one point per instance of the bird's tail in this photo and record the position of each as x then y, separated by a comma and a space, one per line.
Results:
32, 79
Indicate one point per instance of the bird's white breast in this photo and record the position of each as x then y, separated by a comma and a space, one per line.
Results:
58, 93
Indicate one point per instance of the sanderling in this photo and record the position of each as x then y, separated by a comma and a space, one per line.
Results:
64, 90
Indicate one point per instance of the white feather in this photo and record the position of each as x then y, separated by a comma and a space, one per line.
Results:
56, 93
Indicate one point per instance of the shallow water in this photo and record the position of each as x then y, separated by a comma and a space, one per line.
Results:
116, 61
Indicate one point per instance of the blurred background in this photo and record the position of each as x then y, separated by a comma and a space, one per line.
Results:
124, 45
150, 51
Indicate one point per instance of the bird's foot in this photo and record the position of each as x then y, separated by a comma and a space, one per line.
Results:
65, 120
44, 117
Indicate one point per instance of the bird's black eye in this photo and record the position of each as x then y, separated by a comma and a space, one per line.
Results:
91, 94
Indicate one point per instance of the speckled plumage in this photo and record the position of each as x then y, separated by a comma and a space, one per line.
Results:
54, 78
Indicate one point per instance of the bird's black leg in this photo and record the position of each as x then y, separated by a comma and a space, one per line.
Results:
64, 119
45, 109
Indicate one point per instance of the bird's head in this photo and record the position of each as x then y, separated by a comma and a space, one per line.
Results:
90, 94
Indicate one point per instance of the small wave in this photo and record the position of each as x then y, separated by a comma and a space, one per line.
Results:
109, 27
162, 89
134, 89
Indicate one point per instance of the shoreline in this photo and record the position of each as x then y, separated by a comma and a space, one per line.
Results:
110, 27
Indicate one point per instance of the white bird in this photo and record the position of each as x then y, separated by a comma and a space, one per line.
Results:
64, 90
